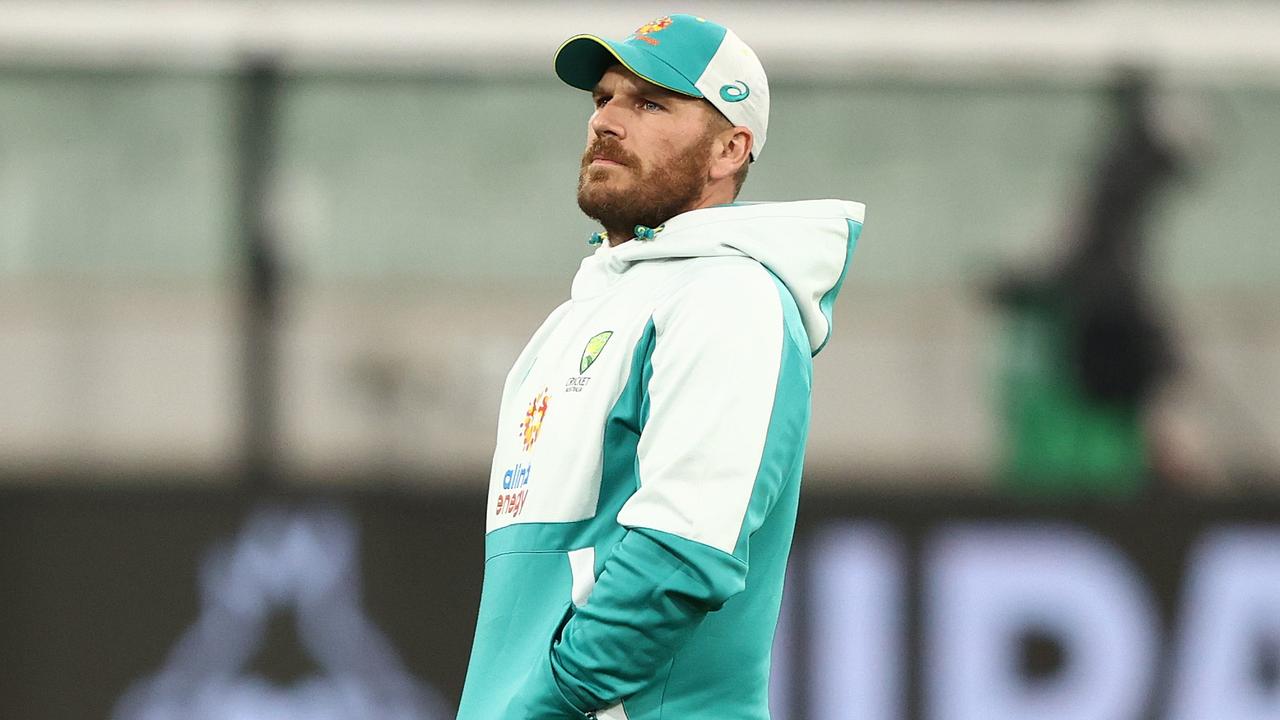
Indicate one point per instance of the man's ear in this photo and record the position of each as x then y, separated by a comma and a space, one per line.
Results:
732, 150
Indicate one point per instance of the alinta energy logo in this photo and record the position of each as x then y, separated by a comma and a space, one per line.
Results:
515, 481
643, 32
531, 426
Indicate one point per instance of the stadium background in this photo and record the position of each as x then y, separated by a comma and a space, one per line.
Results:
264, 265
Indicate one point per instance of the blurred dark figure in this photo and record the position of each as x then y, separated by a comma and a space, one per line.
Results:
1087, 346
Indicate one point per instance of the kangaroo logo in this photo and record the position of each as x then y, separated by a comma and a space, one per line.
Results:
736, 91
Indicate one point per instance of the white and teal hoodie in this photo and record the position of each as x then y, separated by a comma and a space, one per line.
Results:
647, 470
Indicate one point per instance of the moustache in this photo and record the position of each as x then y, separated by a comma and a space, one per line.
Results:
608, 149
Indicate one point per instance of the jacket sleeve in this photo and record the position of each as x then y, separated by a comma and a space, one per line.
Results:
727, 416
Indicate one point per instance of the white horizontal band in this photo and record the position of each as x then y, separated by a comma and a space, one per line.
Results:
1200, 37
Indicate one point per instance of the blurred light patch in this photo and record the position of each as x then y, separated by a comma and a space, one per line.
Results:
301, 561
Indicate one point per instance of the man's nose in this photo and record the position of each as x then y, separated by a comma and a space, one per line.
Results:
607, 121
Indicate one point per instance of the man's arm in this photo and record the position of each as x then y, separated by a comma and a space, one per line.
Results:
728, 413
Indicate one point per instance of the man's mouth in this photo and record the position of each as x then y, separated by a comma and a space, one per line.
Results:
599, 160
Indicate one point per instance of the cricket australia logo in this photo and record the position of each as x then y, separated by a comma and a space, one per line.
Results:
531, 426
594, 347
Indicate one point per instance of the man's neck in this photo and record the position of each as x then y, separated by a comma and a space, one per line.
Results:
710, 198
617, 236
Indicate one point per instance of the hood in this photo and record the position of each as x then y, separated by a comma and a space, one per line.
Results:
807, 244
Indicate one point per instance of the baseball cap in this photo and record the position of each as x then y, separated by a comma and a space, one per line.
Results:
683, 53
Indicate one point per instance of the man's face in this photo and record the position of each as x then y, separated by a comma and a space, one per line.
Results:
648, 152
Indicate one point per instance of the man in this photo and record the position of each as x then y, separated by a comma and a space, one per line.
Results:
651, 435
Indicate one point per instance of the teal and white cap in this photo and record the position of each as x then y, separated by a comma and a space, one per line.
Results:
684, 53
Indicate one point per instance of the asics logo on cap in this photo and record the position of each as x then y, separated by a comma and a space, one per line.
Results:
733, 93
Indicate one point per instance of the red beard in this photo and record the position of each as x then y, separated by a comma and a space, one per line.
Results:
622, 196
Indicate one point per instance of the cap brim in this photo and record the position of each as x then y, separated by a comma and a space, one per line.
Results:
582, 60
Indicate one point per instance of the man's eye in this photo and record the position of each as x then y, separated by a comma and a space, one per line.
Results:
600, 101
651, 106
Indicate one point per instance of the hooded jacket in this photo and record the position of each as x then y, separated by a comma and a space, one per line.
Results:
647, 471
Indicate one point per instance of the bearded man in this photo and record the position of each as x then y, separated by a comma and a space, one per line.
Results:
651, 435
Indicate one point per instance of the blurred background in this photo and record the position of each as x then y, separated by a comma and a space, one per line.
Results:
263, 267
